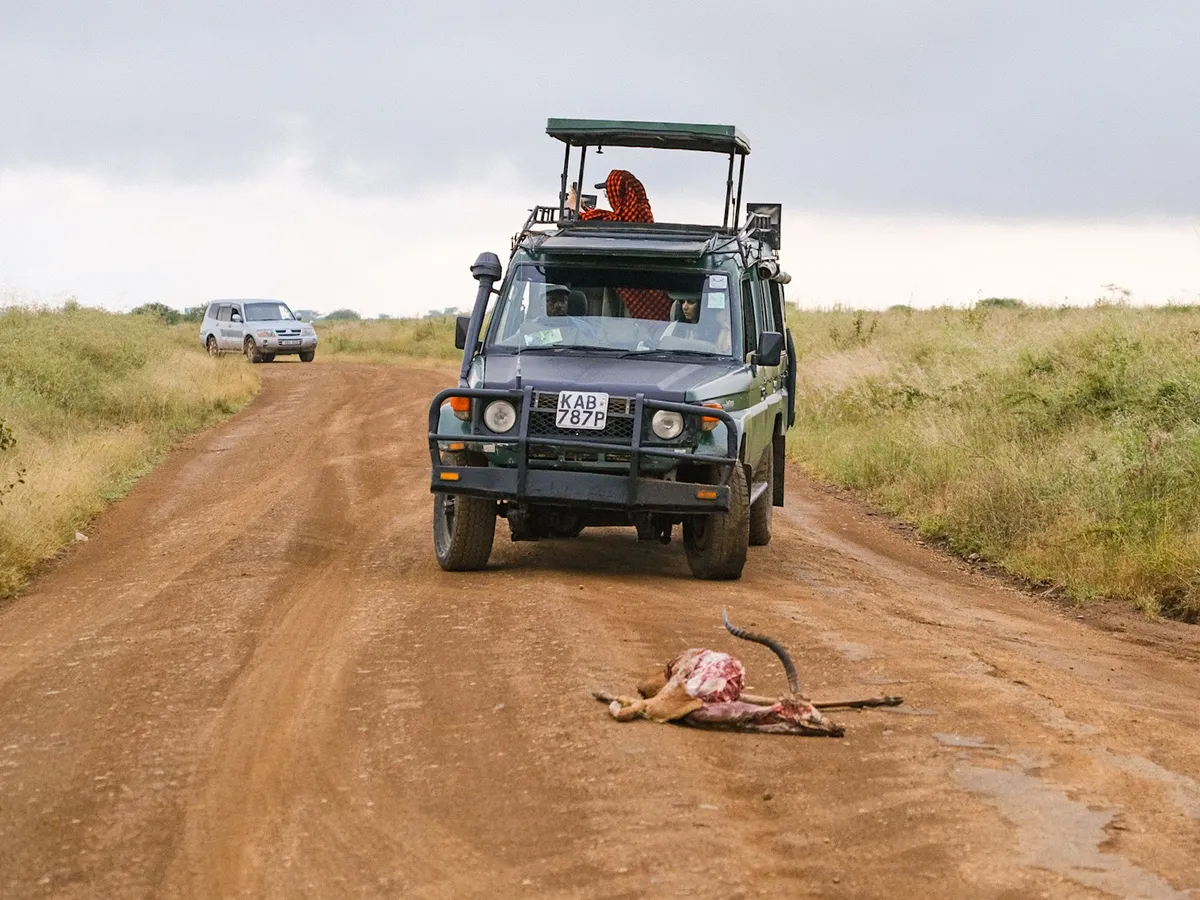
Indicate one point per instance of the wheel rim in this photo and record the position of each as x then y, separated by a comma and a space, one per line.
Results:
701, 528
212, 346
444, 522
249, 348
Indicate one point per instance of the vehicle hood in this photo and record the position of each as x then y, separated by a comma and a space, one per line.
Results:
281, 324
662, 379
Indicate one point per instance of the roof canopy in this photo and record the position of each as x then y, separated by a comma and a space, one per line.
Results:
662, 135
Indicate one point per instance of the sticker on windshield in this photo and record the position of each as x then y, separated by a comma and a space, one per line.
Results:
544, 338
717, 300
718, 282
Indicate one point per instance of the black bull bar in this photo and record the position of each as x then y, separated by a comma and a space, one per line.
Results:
563, 487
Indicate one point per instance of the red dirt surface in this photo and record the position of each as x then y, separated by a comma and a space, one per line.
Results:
254, 681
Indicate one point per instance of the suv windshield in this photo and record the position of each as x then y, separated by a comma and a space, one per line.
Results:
637, 310
265, 312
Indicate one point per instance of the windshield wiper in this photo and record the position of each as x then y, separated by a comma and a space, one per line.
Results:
556, 347
707, 354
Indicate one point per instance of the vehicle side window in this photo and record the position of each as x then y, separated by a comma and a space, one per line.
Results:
749, 320
212, 311
777, 305
225, 314
766, 321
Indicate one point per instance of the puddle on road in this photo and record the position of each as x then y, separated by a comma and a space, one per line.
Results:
1061, 835
1183, 791
958, 740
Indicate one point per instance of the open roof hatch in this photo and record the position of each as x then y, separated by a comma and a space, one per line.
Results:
584, 133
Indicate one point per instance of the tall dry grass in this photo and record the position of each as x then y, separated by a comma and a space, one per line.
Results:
1062, 444
93, 400
390, 341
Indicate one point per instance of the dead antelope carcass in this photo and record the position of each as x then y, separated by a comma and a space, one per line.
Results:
703, 688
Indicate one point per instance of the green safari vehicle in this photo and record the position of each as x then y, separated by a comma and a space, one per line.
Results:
621, 372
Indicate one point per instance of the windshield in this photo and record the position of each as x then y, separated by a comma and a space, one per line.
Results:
634, 310
268, 311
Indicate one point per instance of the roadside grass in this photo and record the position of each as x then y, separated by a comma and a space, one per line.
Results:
1061, 444
93, 400
388, 341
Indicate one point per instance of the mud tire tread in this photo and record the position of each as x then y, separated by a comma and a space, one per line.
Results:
716, 543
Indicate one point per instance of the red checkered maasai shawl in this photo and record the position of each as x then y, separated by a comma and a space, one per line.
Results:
630, 204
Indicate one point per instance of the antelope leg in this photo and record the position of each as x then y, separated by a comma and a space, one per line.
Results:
860, 704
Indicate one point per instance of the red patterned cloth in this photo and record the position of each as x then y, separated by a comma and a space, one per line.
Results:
630, 204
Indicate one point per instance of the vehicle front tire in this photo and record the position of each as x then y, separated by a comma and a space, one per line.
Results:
716, 542
761, 509
268, 357
251, 350
308, 356
211, 346
463, 528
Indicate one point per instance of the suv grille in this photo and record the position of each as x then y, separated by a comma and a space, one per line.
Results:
618, 428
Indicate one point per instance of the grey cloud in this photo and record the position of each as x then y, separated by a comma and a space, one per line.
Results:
1023, 108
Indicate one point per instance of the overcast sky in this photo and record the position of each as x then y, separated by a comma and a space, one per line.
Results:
925, 152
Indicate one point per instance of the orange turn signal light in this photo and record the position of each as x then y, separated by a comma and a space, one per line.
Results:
708, 423
448, 476
457, 445
460, 404
706, 495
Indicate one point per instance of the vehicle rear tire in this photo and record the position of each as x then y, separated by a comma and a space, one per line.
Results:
251, 350
308, 357
716, 542
211, 346
761, 509
463, 528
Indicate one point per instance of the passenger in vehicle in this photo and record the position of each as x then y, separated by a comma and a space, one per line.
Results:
629, 203
564, 303
686, 324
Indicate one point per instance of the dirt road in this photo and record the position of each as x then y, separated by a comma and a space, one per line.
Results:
254, 681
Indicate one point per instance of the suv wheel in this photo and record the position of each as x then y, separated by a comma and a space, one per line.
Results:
463, 528
760, 509
252, 352
307, 355
716, 542
211, 346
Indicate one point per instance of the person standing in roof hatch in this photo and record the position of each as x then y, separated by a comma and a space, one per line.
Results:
629, 203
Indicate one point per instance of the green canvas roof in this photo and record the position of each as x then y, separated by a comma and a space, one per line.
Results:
663, 135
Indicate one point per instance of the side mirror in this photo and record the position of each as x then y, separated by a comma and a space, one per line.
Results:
461, 324
236, 317
770, 349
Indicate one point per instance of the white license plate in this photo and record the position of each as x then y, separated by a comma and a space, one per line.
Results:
289, 343
582, 409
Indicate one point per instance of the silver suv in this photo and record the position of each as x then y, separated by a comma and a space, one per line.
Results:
262, 329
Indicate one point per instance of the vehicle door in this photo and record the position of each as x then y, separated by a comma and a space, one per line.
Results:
763, 398
229, 333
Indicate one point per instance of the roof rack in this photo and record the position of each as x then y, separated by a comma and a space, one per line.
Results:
584, 133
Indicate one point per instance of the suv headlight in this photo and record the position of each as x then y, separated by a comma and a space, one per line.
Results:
500, 416
265, 332
667, 424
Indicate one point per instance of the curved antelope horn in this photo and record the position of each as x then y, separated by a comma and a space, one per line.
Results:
775, 647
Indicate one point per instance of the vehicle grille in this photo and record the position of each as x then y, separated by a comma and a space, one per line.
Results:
617, 429
288, 332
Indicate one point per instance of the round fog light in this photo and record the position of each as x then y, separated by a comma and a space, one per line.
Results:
667, 424
500, 416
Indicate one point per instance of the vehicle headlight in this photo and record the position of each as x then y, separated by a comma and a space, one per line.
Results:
500, 416
307, 329
265, 332
667, 424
